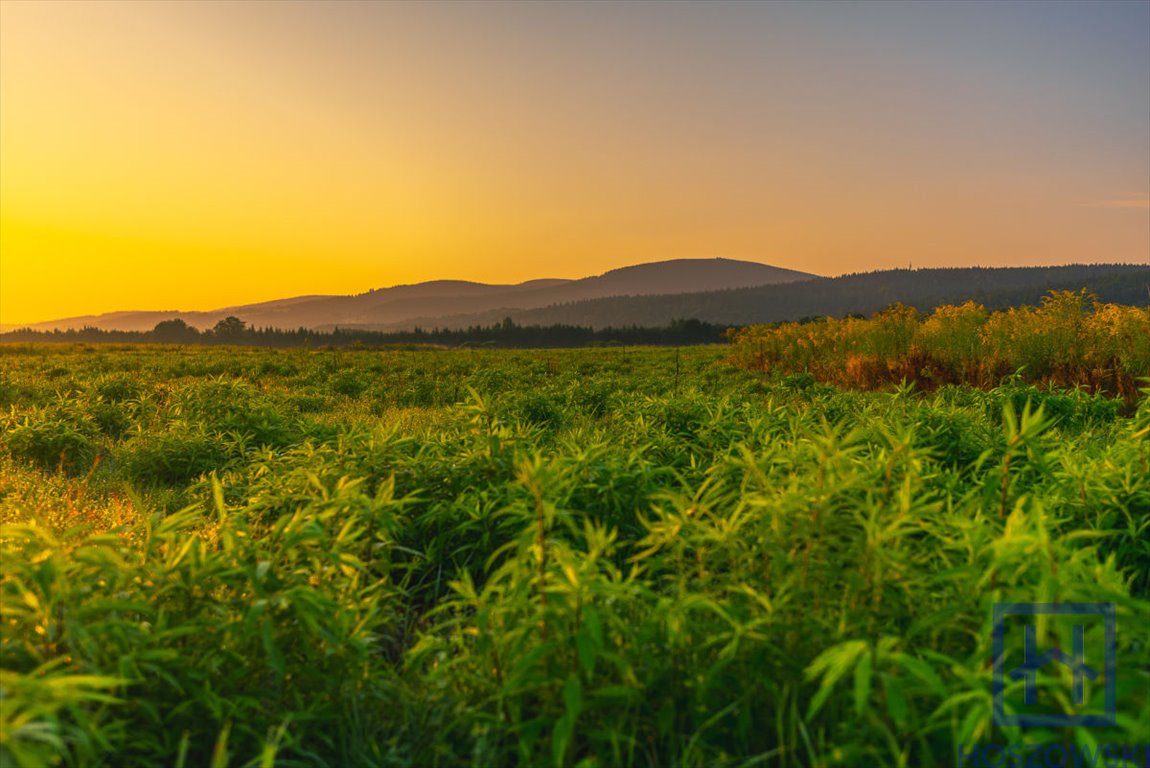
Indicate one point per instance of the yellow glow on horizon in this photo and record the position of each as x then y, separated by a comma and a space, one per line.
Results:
199, 155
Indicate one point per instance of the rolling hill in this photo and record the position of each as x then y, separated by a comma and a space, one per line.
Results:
863, 293
404, 305
716, 291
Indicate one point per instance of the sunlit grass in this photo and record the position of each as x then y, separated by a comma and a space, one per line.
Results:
576, 558
1070, 340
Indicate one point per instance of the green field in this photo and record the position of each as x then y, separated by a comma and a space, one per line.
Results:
605, 557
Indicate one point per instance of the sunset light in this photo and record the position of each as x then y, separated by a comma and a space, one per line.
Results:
196, 155
570, 384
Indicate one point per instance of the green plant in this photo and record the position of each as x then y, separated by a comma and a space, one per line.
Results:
571, 558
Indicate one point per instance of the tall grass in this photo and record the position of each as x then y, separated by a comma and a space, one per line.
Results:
563, 559
1070, 340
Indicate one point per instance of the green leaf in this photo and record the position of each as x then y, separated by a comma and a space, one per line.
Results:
832, 664
862, 675
585, 647
220, 751
573, 696
560, 738
592, 624
818, 700
275, 656
972, 725
896, 705
922, 671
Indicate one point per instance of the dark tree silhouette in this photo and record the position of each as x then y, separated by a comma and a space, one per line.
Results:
230, 329
174, 331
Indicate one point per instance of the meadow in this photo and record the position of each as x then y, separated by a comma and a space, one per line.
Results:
703, 556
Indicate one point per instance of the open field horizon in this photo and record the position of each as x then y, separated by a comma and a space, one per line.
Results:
575, 385
618, 556
661, 294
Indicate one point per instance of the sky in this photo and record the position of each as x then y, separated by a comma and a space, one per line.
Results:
178, 155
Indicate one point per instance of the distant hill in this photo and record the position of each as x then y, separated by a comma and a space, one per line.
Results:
719, 291
865, 293
403, 305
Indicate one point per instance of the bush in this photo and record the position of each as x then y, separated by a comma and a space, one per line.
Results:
112, 418
117, 389
174, 457
221, 407
54, 438
539, 409
199, 631
1072, 339
350, 384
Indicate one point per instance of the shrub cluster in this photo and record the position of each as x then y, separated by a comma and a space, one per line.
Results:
1070, 340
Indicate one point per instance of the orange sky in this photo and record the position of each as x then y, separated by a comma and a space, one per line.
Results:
195, 155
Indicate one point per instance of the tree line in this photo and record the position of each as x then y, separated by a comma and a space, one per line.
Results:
505, 334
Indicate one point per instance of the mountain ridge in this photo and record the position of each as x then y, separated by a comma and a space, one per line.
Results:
400, 303
629, 297
860, 293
